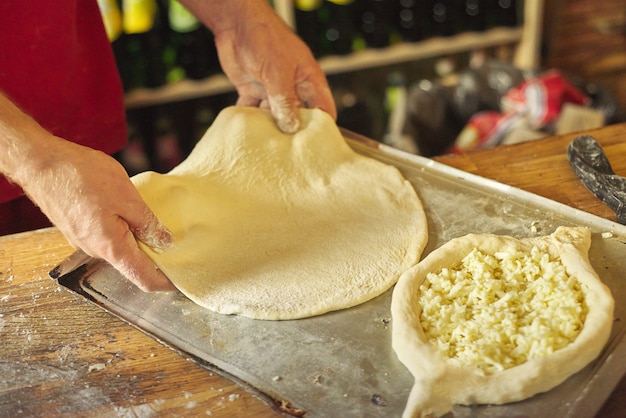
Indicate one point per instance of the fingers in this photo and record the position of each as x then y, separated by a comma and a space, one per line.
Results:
284, 96
285, 112
286, 116
134, 263
137, 267
151, 231
247, 100
283, 101
136, 222
285, 108
317, 95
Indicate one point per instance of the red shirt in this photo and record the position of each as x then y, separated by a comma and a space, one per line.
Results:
56, 64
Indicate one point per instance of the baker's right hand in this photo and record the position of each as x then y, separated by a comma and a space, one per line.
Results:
89, 197
269, 65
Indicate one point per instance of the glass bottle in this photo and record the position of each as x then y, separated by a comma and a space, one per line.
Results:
309, 24
339, 30
144, 43
375, 25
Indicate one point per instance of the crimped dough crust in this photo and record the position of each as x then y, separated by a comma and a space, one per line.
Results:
440, 383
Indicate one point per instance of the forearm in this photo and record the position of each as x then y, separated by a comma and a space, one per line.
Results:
221, 15
22, 140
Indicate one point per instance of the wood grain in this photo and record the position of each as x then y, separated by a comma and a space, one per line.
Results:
541, 167
62, 356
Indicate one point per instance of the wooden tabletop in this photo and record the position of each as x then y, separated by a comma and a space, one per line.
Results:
61, 355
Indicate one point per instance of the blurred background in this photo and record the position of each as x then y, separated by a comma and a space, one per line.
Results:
428, 77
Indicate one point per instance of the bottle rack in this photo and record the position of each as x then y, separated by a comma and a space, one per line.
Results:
523, 39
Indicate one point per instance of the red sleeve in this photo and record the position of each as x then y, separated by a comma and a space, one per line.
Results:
56, 64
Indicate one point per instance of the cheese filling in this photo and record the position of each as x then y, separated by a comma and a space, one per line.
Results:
498, 311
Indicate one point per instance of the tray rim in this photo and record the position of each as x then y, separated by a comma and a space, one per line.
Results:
592, 219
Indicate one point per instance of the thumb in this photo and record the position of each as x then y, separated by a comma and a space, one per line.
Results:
285, 110
151, 231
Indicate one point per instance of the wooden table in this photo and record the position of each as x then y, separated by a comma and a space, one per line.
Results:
60, 355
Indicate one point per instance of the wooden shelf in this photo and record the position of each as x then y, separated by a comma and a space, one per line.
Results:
407, 52
178, 91
370, 58
525, 39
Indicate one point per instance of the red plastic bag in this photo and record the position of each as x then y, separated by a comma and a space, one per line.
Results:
533, 104
540, 99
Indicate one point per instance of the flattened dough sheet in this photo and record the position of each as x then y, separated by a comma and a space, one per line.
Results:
275, 226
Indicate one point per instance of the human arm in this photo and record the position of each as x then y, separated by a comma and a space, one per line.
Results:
265, 60
85, 193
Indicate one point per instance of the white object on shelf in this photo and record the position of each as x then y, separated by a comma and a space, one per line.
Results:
527, 52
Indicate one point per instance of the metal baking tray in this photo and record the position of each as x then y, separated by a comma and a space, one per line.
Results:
342, 363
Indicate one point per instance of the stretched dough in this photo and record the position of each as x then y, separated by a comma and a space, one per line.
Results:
440, 382
275, 226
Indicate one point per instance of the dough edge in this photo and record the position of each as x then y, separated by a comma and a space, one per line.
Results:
433, 393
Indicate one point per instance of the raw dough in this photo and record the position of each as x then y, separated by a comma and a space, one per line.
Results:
441, 382
276, 226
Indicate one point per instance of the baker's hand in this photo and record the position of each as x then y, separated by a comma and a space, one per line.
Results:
268, 64
89, 197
